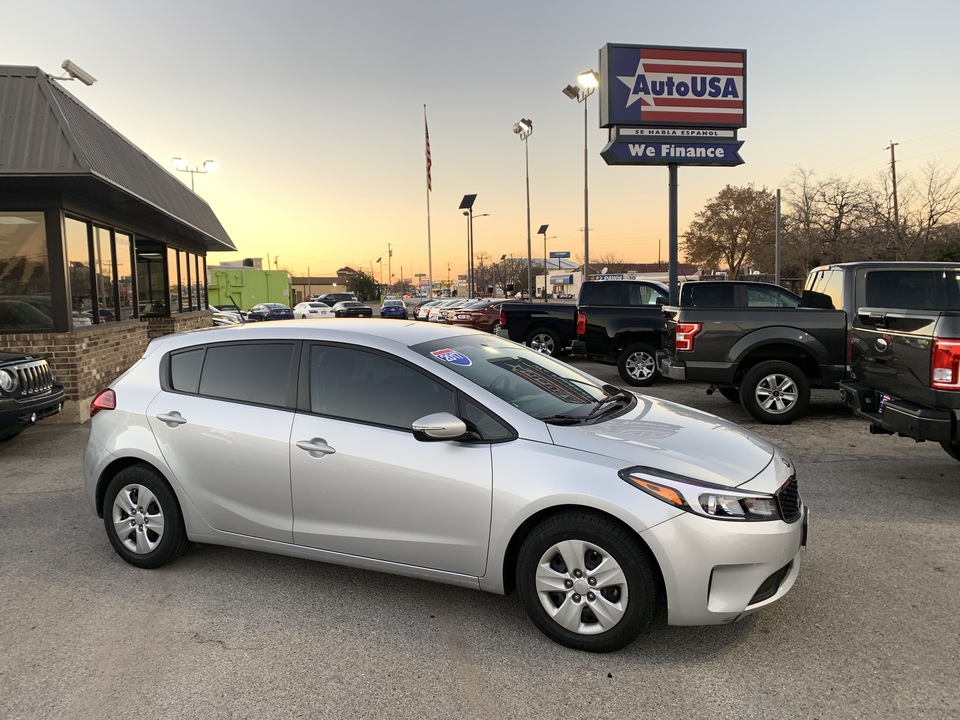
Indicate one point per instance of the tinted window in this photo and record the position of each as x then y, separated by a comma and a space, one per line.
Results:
770, 297
358, 385
255, 372
908, 289
708, 295
640, 294
185, 371
602, 293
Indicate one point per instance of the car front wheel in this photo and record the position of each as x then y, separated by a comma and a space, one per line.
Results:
544, 340
586, 582
142, 518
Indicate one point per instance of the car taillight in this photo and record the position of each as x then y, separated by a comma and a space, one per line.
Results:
503, 319
945, 364
684, 337
581, 324
105, 400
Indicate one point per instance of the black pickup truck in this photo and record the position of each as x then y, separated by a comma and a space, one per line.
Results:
545, 327
905, 371
28, 393
769, 358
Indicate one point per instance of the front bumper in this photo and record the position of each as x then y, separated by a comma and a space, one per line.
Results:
716, 571
26, 412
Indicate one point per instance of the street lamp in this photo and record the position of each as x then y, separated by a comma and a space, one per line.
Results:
209, 166
588, 81
524, 128
502, 258
543, 231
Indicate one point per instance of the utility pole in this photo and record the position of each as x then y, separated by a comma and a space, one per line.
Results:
893, 175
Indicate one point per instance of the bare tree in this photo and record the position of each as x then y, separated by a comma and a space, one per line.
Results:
925, 203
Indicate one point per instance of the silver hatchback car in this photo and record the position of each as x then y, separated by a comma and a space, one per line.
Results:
450, 455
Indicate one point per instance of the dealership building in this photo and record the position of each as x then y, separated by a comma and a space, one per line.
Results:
101, 248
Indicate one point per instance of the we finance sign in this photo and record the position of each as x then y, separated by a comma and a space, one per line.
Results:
644, 85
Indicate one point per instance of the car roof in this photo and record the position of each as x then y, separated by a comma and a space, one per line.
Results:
370, 332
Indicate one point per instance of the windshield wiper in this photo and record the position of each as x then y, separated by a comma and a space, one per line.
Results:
564, 419
601, 407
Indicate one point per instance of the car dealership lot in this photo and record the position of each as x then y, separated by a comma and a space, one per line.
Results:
871, 629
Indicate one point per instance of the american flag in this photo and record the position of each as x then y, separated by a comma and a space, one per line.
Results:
426, 132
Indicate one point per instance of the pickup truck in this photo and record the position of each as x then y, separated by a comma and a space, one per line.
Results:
905, 371
620, 322
768, 359
545, 327
28, 393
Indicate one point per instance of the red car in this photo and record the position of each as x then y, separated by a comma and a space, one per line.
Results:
482, 315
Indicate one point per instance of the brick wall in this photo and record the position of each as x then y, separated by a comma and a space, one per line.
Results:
90, 358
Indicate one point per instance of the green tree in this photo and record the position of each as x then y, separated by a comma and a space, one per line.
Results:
734, 230
363, 286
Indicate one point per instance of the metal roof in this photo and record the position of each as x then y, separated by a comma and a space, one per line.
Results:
48, 134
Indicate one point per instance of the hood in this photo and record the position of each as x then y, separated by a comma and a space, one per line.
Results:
668, 436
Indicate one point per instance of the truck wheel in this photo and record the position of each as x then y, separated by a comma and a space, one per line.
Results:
953, 449
775, 392
637, 365
544, 340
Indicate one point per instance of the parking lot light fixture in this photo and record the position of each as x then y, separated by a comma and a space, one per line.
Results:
588, 81
208, 166
524, 128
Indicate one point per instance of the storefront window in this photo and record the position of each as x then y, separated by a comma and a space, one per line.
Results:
187, 301
103, 263
125, 287
25, 301
78, 265
152, 295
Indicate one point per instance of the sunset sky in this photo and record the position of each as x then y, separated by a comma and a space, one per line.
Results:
315, 112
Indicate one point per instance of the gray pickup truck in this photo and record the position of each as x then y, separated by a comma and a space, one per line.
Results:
768, 359
905, 364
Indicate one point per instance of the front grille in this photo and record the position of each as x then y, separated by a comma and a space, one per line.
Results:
34, 376
770, 585
789, 498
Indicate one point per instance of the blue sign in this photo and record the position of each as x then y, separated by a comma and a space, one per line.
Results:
561, 279
625, 151
673, 86
560, 254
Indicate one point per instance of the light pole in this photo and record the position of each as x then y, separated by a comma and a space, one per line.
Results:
502, 258
209, 166
588, 81
543, 231
524, 128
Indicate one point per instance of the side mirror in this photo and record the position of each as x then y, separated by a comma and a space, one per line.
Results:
439, 426
661, 300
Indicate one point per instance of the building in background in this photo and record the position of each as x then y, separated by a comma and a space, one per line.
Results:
101, 248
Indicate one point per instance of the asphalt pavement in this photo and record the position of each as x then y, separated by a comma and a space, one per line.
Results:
871, 630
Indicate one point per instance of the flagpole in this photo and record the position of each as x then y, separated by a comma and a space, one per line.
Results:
426, 133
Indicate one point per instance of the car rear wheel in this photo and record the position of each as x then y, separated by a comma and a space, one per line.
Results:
775, 392
586, 582
637, 365
143, 519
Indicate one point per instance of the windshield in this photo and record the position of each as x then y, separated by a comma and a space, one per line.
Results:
532, 382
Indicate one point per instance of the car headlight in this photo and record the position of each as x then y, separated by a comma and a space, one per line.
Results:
703, 498
8, 381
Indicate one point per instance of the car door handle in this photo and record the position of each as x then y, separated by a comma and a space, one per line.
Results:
171, 419
317, 447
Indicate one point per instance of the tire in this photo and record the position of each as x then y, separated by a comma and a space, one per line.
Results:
730, 393
544, 340
494, 328
143, 519
952, 449
637, 365
775, 392
565, 603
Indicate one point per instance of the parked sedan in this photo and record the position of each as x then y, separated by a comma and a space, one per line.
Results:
481, 315
393, 309
312, 311
352, 308
491, 466
269, 311
423, 308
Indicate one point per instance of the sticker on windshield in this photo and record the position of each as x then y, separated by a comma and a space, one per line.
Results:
452, 356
